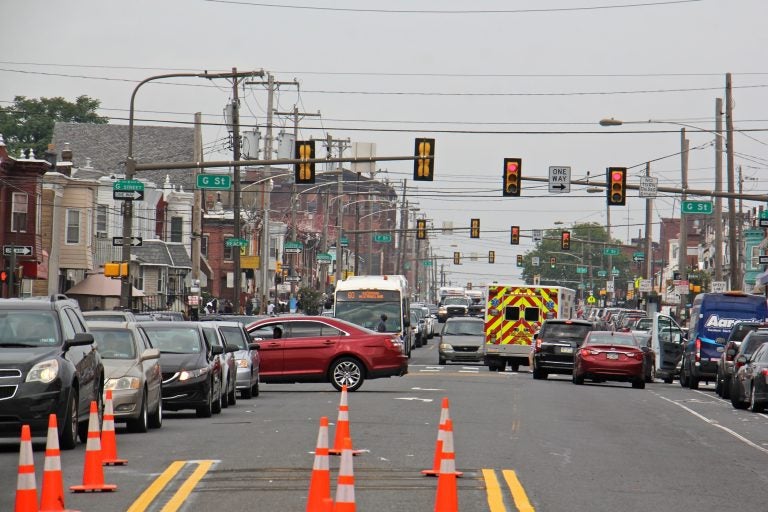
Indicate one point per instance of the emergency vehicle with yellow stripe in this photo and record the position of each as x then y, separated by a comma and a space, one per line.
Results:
514, 313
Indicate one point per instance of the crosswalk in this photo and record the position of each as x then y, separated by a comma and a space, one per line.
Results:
456, 369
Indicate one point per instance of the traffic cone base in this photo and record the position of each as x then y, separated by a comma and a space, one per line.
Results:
447, 499
52, 496
320, 482
26, 487
444, 416
93, 473
108, 437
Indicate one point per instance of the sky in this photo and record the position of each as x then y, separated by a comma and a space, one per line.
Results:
488, 79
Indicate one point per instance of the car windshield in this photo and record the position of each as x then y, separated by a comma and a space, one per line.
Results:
464, 328
644, 324
751, 343
461, 301
28, 329
174, 340
114, 343
611, 338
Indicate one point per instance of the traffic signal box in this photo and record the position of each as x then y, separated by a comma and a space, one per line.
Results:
617, 186
519, 260
424, 165
512, 171
565, 241
421, 229
457, 258
514, 238
474, 228
491, 256
115, 269
552, 262
305, 171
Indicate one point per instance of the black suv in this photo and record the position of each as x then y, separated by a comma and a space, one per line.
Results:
48, 364
555, 345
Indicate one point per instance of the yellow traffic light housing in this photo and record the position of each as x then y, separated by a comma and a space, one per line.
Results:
565, 241
491, 256
424, 164
512, 173
515, 235
519, 260
474, 228
115, 269
421, 229
456, 258
617, 186
304, 172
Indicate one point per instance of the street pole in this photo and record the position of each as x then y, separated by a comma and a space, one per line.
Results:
197, 234
609, 295
648, 231
682, 250
403, 226
733, 250
718, 188
236, 190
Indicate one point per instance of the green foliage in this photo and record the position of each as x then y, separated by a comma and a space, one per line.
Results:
28, 123
310, 300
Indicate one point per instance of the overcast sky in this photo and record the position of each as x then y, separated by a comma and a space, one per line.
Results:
488, 79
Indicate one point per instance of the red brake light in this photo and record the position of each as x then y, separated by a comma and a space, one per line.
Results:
698, 350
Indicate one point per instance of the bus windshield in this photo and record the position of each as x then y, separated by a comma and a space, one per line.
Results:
368, 314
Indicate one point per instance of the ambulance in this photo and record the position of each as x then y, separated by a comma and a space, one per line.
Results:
514, 313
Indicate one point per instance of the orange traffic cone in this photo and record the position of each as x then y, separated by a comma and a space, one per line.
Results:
345, 484
320, 483
93, 473
447, 493
108, 438
342, 426
26, 487
444, 416
52, 499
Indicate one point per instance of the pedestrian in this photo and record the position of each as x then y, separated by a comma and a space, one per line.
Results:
382, 327
228, 307
249, 307
270, 308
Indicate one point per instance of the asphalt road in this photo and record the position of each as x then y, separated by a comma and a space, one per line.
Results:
549, 444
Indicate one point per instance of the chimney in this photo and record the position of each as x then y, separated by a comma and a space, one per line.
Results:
66, 153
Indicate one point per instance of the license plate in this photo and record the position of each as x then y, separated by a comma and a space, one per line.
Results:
612, 355
566, 350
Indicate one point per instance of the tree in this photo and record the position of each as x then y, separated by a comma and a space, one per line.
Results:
310, 300
28, 123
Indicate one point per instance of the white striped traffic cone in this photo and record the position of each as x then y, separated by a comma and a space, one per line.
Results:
26, 487
320, 483
93, 473
345, 484
52, 495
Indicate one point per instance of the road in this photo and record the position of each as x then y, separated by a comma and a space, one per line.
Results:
559, 447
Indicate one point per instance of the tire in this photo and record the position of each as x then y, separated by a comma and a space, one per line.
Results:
683, 377
538, 373
668, 380
753, 405
232, 395
719, 386
156, 416
70, 423
246, 393
347, 371
82, 429
514, 367
577, 379
139, 424
206, 410
255, 389
726, 391
693, 382
651, 377
441, 361
218, 402
639, 383
737, 404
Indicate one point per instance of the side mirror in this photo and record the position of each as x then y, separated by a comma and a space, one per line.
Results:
80, 339
217, 350
150, 353
254, 346
645, 349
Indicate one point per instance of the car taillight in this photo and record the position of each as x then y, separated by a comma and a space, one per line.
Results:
698, 350
764, 373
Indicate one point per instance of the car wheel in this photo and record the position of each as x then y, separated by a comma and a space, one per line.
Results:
726, 389
693, 382
683, 377
638, 383
755, 405
140, 424
736, 402
577, 379
538, 373
347, 371
70, 423
246, 393
156, 417
206, 410
441, 361
514, 367
219, 401
719, 386
232, 395
82, 430
255, 389
651, 375
668, 380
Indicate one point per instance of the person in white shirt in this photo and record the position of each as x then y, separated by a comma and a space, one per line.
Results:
270, 309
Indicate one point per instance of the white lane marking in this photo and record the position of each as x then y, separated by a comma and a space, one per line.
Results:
430, 370
714, 423
414, 398
427, 389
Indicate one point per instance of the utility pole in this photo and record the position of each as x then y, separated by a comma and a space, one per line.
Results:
648, 231
403, 227
197, 225
236, 189
735, 265
682, 250
718, 188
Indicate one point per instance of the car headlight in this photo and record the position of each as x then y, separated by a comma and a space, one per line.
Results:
122, 383
446, 346
44, 371
192, 374
242, 363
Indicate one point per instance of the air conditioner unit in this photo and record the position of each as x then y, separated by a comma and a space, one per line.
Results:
101, 234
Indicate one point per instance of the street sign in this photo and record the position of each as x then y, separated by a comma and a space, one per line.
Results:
559, 180
537, 236
763, 223
702, 207
646, 285
128, 186
293, 279
323, 258
609, 286
427, 263
611, 251
648, 186
235, 242
602, 273
718, 286
128, 195
535, 261
136, 241
293, 247
762, 259
214, 181
638, 256
344, 241
581, 270
23, 250
615, 271
382, 238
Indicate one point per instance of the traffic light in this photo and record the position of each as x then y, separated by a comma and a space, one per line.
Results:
617, 186
512, 170
3, 275
474, 228
519, 260
565, 241
424, 165
421, 229
491, 256
552, 262
115, 269
457, 258
304, 172
515, 235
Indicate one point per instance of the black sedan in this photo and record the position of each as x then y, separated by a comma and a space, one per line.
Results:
190, 366
750, 383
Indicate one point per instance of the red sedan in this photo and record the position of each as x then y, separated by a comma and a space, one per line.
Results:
607, 355
323, 349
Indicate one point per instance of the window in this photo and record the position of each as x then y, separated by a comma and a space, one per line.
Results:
177, 229
160, 281
512, 313
19, 212
140, 279
101, 220
532, 314
273, 247
227, 250
73, 226
306, 329
756, 252
204, 245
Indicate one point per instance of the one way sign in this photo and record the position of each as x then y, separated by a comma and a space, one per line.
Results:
136, 241
559, 180
128, 195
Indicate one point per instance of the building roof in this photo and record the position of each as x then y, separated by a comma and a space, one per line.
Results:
157, 252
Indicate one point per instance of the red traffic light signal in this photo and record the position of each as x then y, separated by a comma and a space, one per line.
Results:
512, 171
617, 186
424, 164
565, 241
514, 237
304, 172
3, 276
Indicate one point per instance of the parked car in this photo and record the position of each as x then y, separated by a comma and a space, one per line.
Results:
555, 345
191, 370
297, 348
644, 324
416, 329
228, 364
109, 316
644, 341
50, 364
246, 357
428, 321
725, 365
133, 374
610, 355
749, 345
750, 383
160, 316
462, 339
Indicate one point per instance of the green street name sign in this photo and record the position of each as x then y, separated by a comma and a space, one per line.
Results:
602, 273
235, 242
214, 181
382, 238
611, 251
701, 207
344, 241
581, 270
427, 263
128, 186
323, 257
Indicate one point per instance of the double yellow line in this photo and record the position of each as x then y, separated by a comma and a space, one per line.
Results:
496, 497
181, 495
